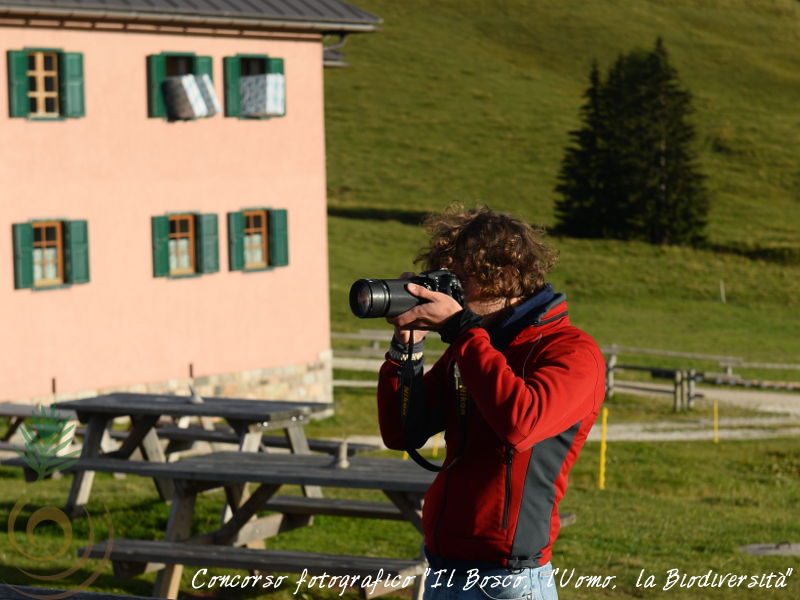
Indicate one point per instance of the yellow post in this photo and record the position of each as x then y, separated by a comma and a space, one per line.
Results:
405, 455
716, 422
604, 426
436, 441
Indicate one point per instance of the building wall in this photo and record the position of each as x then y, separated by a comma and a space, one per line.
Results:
116, 168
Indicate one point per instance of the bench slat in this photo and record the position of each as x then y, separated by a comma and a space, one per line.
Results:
341, 507
224, 436
203, 555
226, 468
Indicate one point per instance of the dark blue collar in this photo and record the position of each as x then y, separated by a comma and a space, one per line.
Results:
528, 312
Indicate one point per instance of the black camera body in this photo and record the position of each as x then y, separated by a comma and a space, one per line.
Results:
388, 297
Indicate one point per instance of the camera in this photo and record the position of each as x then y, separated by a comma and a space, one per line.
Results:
389, 297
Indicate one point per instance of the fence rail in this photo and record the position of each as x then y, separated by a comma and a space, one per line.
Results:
684, 379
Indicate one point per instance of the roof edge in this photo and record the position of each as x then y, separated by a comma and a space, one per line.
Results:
296, 25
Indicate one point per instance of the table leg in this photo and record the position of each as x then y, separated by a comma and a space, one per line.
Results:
151, 451
143, 436
12, 428
411, 507
82, 482
141, 427
179, 526
298, 442
249, 441
244, 507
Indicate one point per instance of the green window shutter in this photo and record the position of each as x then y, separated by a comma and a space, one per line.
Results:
76, 251
275, 65
233, 71
236, 241
18, 105
70, 67
278, 238
207, 242
203, 65
156, 73
23, 255
160, 246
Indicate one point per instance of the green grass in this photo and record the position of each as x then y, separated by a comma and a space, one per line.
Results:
472, 101
629, 294
666, 505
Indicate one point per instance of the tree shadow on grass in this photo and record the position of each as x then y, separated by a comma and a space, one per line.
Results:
782, 255
404, 216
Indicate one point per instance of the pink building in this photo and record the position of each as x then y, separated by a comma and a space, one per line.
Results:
164, 199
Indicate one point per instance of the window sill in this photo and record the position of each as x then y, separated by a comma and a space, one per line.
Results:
47, 287
59, 118
259, 269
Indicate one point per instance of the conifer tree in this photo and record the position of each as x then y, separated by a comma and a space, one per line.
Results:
630, 171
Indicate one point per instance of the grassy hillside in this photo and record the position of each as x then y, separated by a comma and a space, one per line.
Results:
472, 101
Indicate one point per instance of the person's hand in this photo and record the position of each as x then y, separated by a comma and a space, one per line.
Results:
403, 335
428, 316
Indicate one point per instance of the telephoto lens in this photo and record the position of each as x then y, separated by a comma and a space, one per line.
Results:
389, 297
381, 298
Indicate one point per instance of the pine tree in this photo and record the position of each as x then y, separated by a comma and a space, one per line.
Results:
630, 172
578, 179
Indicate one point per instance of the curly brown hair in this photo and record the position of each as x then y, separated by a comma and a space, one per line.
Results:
502, 256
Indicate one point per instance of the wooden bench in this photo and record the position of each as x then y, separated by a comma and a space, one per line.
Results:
299, 505
181, 438
289, 505
225, 436
24, 592
128, 554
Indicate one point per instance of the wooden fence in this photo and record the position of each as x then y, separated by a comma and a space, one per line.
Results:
684, 379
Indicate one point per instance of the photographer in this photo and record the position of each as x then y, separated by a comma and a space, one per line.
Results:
533, 388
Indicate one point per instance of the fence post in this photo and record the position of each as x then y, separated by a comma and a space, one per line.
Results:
610, 364
690, 388
677, 401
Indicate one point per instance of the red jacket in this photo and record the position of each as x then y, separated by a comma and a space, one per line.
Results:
533, 405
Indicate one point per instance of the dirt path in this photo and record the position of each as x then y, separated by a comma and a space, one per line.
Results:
764, 400
781, 410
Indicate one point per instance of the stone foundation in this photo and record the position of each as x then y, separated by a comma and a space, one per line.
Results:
311, 382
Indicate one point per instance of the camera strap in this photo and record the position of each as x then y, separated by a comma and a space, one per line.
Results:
463, 405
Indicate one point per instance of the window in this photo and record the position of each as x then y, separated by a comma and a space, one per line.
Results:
185, 244
256, 254
255, 86
179, 65
50, 253
45, 84
253, 65
257, 239
181, 86
181, 245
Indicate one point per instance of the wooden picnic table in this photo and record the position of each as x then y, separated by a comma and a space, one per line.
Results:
248, 419
16, 415
403, 483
